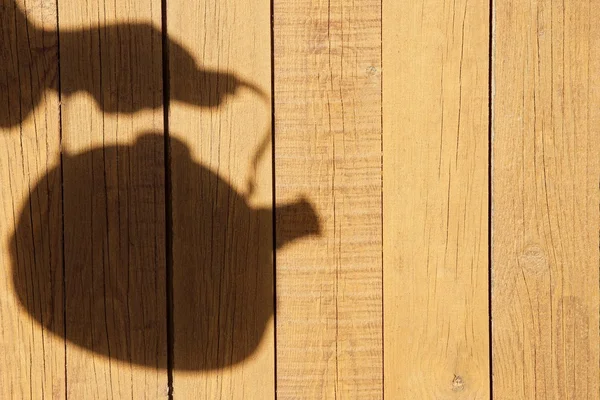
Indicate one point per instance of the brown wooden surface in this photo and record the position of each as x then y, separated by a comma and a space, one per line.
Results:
222, 240
141, 262
32, 359
328, 149
113, 197
545, 297
435, 160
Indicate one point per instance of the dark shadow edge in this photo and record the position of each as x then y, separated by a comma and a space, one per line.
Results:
166, 76
490, 187
274, 196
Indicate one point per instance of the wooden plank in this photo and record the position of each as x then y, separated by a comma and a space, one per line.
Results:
435, 179
328, 150
219, 127
31, 308
546, 298
114, 219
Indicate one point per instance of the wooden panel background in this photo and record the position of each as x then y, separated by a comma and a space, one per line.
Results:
220, 167
328, 149
545, 297
32, 363
299, 200
435, 158
113, 199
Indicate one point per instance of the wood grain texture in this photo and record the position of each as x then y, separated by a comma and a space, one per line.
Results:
328, 149
382, 189
114, 219
219, 125
435, 207
31, 357
545, 295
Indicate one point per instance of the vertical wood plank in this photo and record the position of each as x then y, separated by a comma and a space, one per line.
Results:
114, 219
328, 149
545, 303
219, 127
435, 207
31, 307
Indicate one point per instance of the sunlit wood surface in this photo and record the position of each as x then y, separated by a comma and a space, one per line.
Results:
435, 180
239, 199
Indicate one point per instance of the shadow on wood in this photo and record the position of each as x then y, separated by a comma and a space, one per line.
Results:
119, 65
108, 293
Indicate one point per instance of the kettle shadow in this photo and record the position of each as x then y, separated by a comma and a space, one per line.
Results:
119, 65
105, 208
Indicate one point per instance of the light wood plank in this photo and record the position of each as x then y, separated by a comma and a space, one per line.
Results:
219, 124
435, 208
31, 293
546, 166
114, 220
328, 150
